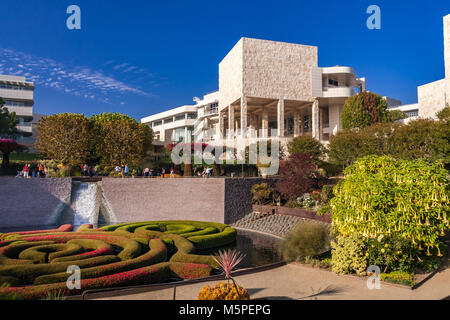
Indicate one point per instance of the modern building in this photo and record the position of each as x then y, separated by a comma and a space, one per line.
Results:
18, 95
265, 85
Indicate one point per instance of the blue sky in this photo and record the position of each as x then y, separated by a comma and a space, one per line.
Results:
142, 57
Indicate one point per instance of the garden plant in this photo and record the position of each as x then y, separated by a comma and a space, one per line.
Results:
33, 264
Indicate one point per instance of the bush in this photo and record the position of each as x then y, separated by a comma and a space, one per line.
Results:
296, 176
327, 194
223, 291
348, 254
305, 240
306, 144
380, 197
398, 277
262, 194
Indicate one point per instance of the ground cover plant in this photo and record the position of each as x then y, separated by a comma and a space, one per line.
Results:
34, 264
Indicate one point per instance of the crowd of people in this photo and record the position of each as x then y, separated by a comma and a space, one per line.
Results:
29, 171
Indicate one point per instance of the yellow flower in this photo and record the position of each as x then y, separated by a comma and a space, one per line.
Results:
386, 245
382, 250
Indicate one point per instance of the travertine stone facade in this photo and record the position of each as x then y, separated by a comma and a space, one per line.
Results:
266, 69
230, 76
277, 70
432, 98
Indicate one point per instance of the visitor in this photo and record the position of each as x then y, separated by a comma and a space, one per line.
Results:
96, 169
126, 170
26, 170
208, 172
45, 171
163, 172
146, 172
117, 170
40, 169
151, 173
171, 173
85, 170
139, 172
33, 173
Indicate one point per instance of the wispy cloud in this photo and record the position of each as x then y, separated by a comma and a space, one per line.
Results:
76, 80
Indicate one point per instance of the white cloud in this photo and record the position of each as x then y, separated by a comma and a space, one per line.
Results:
77, 80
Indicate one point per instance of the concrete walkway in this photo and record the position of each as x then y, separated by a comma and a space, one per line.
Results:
295, 281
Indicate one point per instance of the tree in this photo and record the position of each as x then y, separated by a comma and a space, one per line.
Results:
444, 114
365, 109
65, 138
6, 147
8, 122
120, 139
422, 139
306, 144
296, 175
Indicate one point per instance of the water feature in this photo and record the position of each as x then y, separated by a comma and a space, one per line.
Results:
85, 204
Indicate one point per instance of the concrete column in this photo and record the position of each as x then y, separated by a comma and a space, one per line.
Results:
221, 125
231, 119
162, 135
320, 124
243, 116
296, 123
315, 120
280, 117
186, 135
265, 122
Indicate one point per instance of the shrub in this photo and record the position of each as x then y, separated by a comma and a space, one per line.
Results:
262, 194
347, 254
380, 197
305, 240
296, 176
223, 291
327, 194
306, 144
398, 277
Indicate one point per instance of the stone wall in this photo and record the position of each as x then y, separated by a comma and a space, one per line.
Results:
33, 202
238, 197
143, 199
431, 98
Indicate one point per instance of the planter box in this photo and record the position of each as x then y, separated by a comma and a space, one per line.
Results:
303, 213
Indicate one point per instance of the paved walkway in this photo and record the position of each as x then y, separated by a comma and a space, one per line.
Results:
296, 281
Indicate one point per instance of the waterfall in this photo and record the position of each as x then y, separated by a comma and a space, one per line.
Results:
85, 203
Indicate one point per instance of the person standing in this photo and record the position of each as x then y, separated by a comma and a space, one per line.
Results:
26, 171
85, 170
126, 170
171, 173
163, 172
96, 169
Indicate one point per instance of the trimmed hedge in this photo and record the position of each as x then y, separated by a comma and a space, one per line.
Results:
35, 262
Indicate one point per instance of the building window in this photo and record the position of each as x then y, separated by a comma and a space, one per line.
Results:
332, 82
412, 113
181, 117
157, 123
213, 107
169, 120
14, 104
192, 116
10, 87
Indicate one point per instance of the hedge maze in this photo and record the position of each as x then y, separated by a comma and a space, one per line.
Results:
34, 264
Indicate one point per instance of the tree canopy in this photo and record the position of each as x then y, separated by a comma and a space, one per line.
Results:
365, 109
64, 137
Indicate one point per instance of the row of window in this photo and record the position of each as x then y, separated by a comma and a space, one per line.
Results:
9, 103
412, 113
177, 118
11, 87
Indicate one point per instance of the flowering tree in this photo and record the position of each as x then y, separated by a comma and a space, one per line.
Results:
6, 147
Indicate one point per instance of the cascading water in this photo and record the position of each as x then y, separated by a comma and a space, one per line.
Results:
84, 206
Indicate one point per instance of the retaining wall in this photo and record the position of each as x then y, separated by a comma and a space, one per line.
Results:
32, 202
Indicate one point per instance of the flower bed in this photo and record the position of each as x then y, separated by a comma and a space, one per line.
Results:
34, 264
